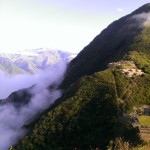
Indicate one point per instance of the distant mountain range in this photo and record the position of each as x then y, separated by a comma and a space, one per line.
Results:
32, 61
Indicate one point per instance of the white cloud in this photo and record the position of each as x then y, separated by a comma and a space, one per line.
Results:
143, 19
12, 119
10, 84
120, 9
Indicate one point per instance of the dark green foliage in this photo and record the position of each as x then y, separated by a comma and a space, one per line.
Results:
83, 117
132, 91
140, 50
142, 60
141, 92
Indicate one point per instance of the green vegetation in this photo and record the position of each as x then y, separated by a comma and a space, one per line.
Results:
82, 118
144, 120
121, 144
140, 50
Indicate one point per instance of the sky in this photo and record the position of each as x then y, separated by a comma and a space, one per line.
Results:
67, 25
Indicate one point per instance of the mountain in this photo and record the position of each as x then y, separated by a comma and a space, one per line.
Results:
126, 38
103, 83
33, 60
8, 67
18, 99
87, 115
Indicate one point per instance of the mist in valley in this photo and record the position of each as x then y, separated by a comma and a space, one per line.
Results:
13, 119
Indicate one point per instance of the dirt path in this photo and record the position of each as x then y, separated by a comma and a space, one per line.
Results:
145, 134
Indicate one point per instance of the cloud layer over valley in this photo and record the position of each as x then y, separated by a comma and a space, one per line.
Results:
44, 93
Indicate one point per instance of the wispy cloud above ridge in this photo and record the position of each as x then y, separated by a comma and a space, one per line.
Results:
143, 19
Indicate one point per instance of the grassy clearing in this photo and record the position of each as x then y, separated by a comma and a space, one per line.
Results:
144, 120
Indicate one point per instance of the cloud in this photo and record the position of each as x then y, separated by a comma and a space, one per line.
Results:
10, 84
13, 119
139, 21
120, 9
143, 19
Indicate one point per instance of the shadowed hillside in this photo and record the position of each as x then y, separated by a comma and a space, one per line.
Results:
128, 34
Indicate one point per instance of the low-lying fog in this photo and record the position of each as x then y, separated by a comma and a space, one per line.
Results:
11, 118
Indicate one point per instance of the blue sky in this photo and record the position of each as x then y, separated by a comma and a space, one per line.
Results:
60, 24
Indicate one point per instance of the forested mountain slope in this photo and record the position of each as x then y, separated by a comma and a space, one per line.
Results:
94, 108
89, 114
126, 38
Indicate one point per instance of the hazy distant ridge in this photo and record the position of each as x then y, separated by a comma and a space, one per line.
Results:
32, 61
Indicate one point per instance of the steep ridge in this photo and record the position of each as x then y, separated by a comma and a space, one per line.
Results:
32, 61
92, 112
128, 34
18, 99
